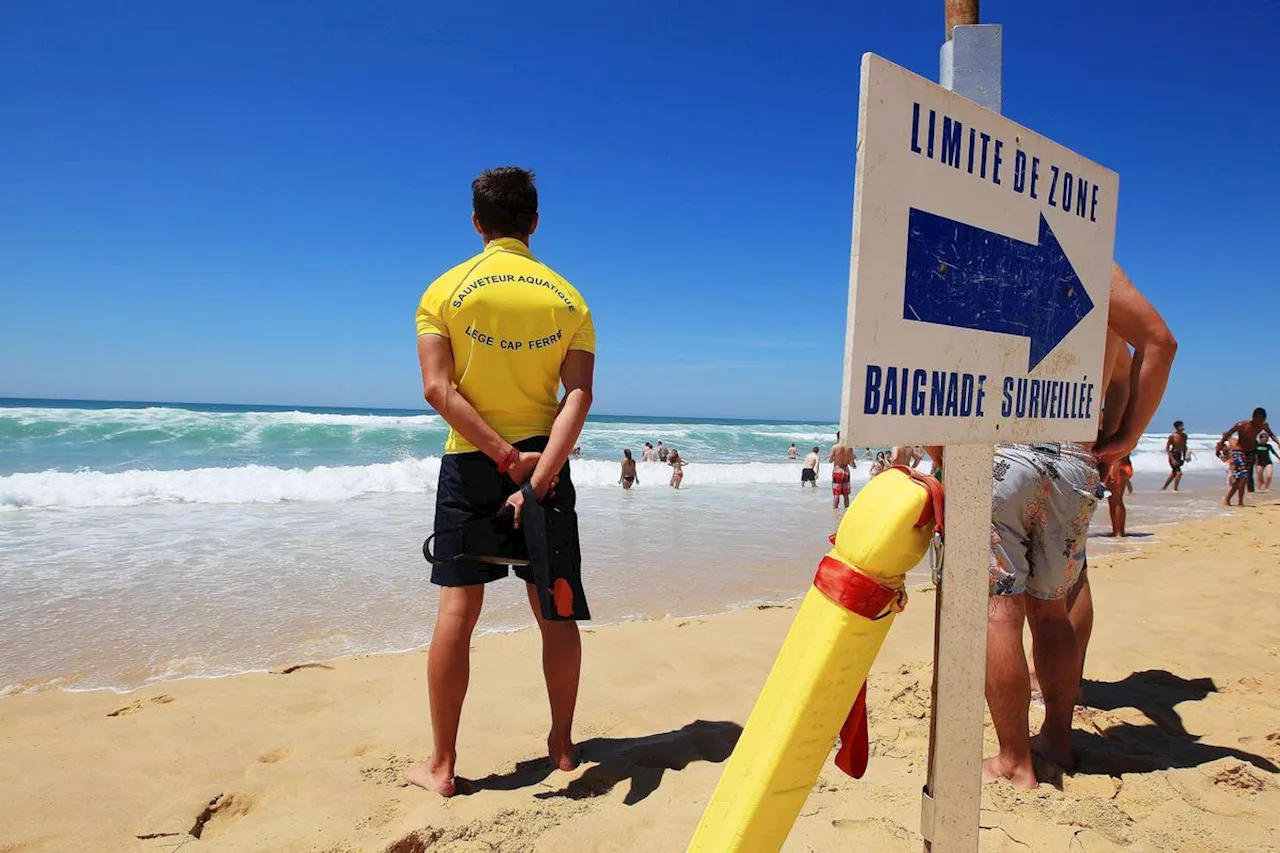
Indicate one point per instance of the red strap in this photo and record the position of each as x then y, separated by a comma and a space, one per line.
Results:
855, 744
934, 509
851, 589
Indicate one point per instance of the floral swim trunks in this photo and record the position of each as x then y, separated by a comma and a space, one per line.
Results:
1042, 500
1239, 465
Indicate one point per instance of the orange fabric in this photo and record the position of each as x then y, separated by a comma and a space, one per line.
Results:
934, 510
563, 595
1118, 475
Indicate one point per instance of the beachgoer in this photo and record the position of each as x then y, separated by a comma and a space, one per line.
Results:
1238, 466
809, 473
1175, 447
881, 464
650, 455
1043, 499
1118, 477
662, 452
841, 486
899, 454
792, 453
1264, 453
576, 454
677, 476
507, 427
1247, 433
628, 471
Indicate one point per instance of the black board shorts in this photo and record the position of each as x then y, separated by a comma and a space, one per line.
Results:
470, 489
808, 475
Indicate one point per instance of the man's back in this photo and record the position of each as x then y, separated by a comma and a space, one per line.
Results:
510, 319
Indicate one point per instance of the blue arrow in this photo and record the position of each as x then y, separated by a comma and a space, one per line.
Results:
963, 276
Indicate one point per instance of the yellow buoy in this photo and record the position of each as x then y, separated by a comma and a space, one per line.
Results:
822, 666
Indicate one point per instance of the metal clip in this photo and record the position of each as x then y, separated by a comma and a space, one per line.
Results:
926, 815
937, 551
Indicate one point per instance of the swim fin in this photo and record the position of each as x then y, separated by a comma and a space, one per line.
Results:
551, 535
485, 540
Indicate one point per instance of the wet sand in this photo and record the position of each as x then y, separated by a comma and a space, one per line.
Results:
1178, 739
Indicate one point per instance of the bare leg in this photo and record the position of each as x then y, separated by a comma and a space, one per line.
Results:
1080, 614
562, 669
1116, 505
448, 674
1008, 692
1058, 663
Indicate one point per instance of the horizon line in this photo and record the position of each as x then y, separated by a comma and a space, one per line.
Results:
425, 410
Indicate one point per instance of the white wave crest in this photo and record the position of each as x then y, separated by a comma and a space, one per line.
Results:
264, 484
248, 484
1149, 456
164, 416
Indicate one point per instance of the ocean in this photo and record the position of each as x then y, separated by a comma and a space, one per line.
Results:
142, 542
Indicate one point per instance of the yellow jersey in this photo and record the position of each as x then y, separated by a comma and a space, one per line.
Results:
510, 320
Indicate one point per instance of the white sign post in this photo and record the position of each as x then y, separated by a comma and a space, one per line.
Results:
979, 288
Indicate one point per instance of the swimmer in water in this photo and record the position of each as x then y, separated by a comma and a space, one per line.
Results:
674, 460
629, 476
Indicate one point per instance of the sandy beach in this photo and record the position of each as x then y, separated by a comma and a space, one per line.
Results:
1179, 737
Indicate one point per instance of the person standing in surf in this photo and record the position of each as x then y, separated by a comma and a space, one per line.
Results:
1264, 453
1244, 455
677, 476
1176, 449
809, 473
841, 485
497, 336
628, 476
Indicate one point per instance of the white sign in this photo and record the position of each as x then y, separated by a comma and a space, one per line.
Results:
980, 277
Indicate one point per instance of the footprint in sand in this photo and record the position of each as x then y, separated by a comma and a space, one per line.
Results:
877, 834
273, 756
390, 771
138, 704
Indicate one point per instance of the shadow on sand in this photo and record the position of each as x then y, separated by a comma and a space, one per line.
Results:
642, 760
1164, 745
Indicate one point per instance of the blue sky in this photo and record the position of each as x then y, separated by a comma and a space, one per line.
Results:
241, 202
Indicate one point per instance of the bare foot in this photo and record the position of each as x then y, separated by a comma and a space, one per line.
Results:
1020, 776
434, 776
1055, 753
563, 754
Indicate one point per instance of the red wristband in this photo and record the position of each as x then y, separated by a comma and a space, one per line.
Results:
505, 463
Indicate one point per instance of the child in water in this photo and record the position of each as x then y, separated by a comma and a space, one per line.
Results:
841, 456
674, 460
629, 475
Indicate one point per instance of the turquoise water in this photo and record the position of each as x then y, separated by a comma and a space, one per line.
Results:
144, 541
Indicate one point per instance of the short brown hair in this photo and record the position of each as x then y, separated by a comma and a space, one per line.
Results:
505, 201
